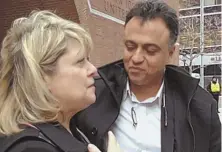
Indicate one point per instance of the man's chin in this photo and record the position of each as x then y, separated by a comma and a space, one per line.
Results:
136, 81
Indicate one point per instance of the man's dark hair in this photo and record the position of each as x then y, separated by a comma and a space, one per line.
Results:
151, 9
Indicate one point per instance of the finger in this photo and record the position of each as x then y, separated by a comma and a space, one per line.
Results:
113, 145
111, 137
93, 148
112, 140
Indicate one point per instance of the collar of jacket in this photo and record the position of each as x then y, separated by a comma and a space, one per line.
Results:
115, 77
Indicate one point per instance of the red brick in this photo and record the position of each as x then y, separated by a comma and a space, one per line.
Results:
12, 9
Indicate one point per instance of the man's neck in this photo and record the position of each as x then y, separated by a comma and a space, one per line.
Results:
148, 90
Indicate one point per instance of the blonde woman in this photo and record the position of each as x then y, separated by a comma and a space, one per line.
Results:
46, 78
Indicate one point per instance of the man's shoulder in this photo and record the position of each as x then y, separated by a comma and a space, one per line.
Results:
183, 78
111, 69
112, 65
175, 68
110, 73
203, 96
202, 103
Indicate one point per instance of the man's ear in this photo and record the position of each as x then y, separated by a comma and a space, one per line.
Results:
174, 54
171, 51
174, 48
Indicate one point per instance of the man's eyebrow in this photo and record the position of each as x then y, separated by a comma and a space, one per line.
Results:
151, 45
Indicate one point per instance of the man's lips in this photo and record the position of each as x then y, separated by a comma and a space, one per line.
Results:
135, 69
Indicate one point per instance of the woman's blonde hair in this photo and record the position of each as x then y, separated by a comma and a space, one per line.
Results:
30, 50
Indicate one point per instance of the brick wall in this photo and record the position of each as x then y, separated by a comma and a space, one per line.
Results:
107, 35
12, 9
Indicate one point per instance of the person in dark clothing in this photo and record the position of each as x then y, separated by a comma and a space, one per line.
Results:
45, 79
149, 105
214, 88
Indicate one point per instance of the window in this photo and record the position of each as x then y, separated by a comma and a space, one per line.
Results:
218, 1
213, 9
211, 2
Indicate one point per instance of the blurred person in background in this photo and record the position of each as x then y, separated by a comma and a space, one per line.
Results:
214, 88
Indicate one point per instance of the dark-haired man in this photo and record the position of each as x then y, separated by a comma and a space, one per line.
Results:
149, 105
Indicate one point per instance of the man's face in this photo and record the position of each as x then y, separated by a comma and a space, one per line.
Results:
214, 80
146, 49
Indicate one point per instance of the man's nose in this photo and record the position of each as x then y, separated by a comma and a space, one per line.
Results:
138, 56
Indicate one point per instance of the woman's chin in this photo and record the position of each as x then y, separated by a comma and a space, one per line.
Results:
91, 99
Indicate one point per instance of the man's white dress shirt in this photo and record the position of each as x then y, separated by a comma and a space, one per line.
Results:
146, 135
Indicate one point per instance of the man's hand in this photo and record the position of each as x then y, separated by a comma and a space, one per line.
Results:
113, 146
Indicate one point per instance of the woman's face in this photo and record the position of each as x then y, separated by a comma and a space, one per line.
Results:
72, 83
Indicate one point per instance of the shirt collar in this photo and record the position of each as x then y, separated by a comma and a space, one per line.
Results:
128, 93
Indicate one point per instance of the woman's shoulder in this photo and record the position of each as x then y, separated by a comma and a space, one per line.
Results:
33, 146
27, 140
45, 138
